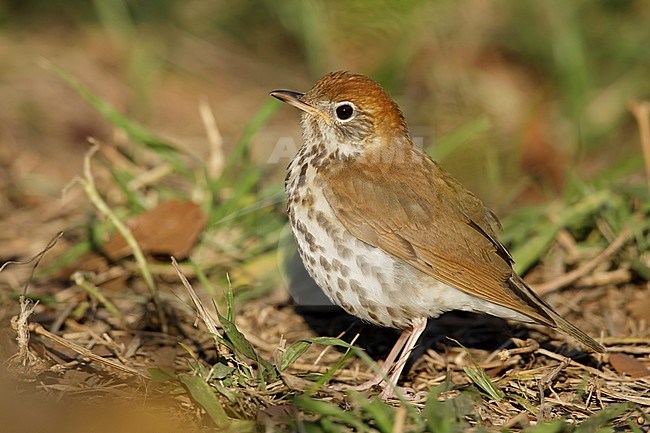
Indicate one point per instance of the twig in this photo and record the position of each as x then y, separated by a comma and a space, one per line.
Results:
149, 177
566, 240
627, 340
201, 311
546, 380
636, 350
216, 160
600, 279
48, 247
583, 270
342, 374
60, 318
326, 349
531, 346
104, 339
20, 324
39, 330
627, 397
641, 112
592, 370
36, 258
25, 360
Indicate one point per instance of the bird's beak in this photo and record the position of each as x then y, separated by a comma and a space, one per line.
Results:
296, 99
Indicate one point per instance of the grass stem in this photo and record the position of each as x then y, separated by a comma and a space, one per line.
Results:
88, 183
641, 112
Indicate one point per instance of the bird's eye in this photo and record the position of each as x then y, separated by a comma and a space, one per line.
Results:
345, 111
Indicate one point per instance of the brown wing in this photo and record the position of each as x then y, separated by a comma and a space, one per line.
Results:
417, 212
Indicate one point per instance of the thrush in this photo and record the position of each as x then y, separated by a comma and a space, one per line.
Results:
387, 233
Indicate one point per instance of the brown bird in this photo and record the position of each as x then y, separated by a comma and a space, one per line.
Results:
388, 234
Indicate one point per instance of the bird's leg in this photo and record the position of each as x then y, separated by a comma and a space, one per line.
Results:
419, 325
385, 368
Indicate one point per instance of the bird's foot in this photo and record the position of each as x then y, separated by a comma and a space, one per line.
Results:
407, 393
376, 380
389, 391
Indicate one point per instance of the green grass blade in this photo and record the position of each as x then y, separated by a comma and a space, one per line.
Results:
381, 413
480, 378
134, 130
230, 303
528, 253
241, 149
70, 256
331, 341
94, 292
243, 346
134, 202
204, 280
205, 397
555, 426
329, 410
330, 373
293, 352
460, 136
243, 188
445, 416
239, 341
600, 421
352, 350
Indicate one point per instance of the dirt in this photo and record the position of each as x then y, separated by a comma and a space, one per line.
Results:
41, 149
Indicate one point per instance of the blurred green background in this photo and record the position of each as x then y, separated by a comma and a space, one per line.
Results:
515, 98
526, 102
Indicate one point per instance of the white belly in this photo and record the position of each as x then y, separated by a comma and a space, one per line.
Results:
364, 280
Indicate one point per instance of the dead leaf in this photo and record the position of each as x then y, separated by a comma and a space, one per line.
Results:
169, 229
625, 364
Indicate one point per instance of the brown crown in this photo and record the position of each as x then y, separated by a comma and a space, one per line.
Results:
366, 94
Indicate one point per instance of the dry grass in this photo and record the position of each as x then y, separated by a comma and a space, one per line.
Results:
95, 346
97, 361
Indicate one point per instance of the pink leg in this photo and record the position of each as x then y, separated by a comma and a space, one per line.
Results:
419, 325
385, 369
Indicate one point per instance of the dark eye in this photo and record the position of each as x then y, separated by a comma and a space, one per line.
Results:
344, 111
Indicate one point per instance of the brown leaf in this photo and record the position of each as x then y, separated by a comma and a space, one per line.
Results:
625, 364
169, 229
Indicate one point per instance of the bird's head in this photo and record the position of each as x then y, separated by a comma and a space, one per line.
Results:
349, 114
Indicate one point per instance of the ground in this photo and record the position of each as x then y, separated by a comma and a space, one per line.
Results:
89, 342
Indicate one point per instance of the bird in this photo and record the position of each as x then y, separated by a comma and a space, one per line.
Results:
387, 233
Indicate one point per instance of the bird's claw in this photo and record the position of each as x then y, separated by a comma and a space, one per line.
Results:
388, 391
406, 392
376, 380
